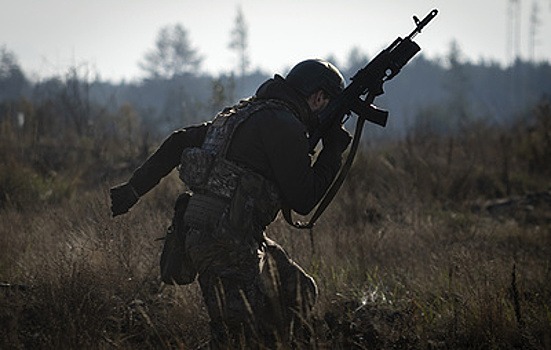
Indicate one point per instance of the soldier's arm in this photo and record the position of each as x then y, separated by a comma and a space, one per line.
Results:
166, 157
157, 166
301, 183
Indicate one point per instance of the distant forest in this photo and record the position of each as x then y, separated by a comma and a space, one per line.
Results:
439, 95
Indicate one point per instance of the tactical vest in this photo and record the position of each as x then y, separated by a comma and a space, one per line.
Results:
226, 193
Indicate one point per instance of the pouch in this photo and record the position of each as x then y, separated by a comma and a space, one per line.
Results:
195, 166
176, 265
254, 205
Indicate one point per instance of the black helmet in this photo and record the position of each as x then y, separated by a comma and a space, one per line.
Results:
314, 74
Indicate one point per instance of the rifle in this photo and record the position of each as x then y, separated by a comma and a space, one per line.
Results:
368, 82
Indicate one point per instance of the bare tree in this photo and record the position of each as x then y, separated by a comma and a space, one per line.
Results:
172, 54
457, 85
239, 41
75, 99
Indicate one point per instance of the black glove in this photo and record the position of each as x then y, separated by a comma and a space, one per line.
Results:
123, 197
336, 138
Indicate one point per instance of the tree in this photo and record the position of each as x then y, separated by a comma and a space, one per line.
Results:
239, 42
356, 59
12, 79
172, 54
457, 85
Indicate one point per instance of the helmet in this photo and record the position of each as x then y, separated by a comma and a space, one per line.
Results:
311, 75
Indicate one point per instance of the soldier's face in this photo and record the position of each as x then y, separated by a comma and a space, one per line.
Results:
318, 101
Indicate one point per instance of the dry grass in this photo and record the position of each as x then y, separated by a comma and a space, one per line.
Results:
406, 257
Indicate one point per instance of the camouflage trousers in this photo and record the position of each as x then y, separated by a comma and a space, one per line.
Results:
254, 293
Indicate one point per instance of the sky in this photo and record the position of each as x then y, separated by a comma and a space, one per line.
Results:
110, 37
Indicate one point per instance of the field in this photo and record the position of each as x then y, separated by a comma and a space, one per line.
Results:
434, 242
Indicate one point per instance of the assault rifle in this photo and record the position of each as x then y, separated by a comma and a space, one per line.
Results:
367, 82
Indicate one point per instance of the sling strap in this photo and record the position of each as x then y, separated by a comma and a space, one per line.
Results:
337, 183
335, 186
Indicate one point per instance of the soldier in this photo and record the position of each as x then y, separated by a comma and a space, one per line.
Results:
241, 168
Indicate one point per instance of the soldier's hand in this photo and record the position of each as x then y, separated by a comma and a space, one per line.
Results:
336, 138
123, 197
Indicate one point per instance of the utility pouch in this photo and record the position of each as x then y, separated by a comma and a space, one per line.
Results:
195, 166
254, 204
204, 211
176, 265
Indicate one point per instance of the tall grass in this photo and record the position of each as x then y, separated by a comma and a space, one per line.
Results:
406, 257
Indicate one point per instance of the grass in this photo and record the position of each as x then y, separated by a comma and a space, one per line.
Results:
406, 257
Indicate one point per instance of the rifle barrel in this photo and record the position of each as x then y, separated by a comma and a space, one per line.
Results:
419, 25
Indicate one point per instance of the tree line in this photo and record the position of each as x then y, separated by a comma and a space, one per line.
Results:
438, 94
88, 129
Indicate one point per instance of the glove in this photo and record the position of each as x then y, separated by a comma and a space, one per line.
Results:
336, 138
123, 197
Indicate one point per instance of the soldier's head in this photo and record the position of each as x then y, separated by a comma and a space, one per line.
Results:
317, 81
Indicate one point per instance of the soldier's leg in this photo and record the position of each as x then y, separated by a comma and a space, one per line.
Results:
233, 299
291, 290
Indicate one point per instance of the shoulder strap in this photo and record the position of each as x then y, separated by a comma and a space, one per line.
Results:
221, 132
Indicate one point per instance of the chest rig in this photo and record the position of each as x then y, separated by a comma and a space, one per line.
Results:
224, 192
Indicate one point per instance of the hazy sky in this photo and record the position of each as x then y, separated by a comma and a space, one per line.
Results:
111, 36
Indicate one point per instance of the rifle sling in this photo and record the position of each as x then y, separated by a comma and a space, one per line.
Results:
332, 191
